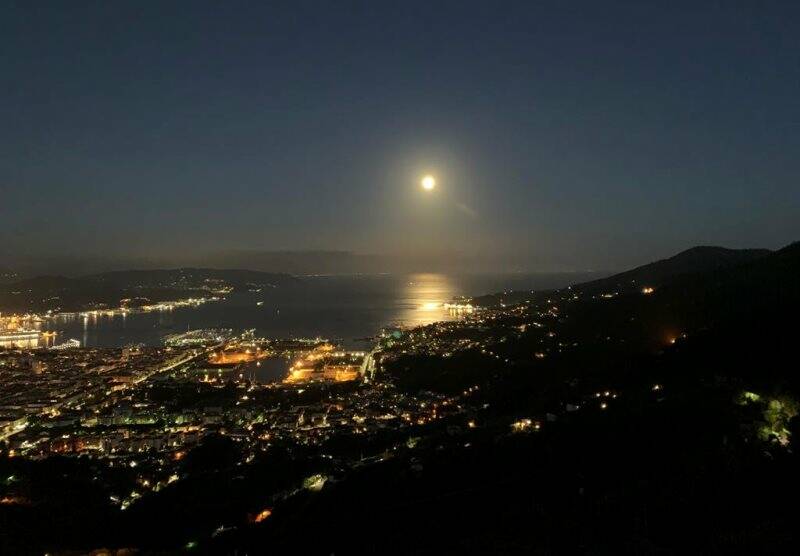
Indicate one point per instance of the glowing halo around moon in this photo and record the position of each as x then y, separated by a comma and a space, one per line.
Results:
428, 183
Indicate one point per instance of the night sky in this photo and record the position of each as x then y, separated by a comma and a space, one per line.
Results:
563, 135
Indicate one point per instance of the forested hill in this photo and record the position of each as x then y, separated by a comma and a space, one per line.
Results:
691, 262
696, 260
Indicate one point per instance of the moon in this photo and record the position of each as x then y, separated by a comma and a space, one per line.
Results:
428, 183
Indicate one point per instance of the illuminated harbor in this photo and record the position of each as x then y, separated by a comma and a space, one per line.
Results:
309, 308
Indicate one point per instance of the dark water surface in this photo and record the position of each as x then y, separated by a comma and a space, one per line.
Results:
271, 369
345, 308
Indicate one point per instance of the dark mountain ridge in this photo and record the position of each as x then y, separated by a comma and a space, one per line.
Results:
7, 275
42, 283
694, 260
59, 293
756, 294
234, 277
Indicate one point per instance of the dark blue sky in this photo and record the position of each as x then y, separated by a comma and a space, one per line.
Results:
563, 134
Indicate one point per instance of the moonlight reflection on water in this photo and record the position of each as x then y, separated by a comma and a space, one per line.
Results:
344, 308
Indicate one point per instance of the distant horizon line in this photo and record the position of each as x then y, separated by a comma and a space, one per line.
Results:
71, 276
312, 263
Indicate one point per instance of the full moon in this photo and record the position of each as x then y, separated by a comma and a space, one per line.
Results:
428, 183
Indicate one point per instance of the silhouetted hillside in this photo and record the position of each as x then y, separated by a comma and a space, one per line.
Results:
692, 261
58, 293
190, 277
7, 275
44, 283
759, 294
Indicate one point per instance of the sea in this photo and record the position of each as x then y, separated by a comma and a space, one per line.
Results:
346, 309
